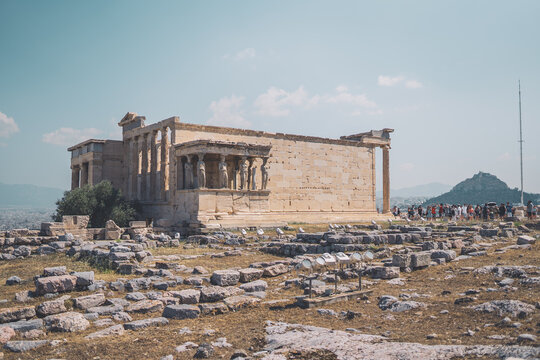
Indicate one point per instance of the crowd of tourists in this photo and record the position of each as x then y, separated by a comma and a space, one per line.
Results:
460, 212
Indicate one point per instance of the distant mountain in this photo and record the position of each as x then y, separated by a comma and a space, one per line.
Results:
29, 196
425, 190
482, 188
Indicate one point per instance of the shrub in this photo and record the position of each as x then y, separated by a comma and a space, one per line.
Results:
101, 202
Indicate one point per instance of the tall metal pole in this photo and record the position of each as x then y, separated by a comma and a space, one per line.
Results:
520, 141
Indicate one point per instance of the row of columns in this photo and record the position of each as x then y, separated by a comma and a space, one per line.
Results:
245, 174
140, 162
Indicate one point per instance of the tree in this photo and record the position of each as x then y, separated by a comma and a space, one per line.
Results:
101, 202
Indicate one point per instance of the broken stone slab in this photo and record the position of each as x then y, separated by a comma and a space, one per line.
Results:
52, 307
135, 296
199, 270
23, 326
275, 270
23, 346
14, 314
84, 278
13, 280
204, 351
286, 338
385, 272
489, 232
526, 338
193, 280
145, 306
89, 301
141, 324
250, 274
181, 312
117, 301
103, 322
447, 255
55, 271
188, 296
105, 310
115, 330
257, 285
235, 303
525, 240
66, 322
213, 309
6, 333
420, 259
401, 260
213, 294
55, 284
514, 308
121, 317
225, 277
185, 346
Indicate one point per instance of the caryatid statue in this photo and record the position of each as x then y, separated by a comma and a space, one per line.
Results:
223, 175
201, 172
243, 173
188, 173
264, 174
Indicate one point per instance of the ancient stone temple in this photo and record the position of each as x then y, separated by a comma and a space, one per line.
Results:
208, 176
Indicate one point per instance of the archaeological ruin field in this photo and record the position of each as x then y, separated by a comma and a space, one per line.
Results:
436, 290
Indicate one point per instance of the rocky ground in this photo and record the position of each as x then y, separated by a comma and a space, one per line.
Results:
432, 292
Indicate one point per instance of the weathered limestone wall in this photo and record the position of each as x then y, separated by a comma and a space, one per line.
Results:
112, 164
307, 178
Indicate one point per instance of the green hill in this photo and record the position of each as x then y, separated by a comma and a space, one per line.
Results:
482, 188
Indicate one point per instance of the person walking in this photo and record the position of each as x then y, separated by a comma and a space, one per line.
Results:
502, 211
530, 207
509, 209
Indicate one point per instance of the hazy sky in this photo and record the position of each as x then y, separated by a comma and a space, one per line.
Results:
443, 74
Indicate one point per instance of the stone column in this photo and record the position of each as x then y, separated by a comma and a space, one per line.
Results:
91, 173
164, 173
264, 174
129, 167
386, 179
84, 174
201, 171
153, 165
188, 173
75, 175
144, 165
134, 149
250, 174
223, 175
243, 168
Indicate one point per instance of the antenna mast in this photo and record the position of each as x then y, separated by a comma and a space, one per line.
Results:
520, 141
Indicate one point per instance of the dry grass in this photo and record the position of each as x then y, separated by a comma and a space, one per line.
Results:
245, 329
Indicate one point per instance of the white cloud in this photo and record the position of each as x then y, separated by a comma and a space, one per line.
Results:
406, 166
413, 84
383, 80
345, 97
274, 102
8, 126
342, 88
278, 102
69, 136
247, 53
389, 80
227, 111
